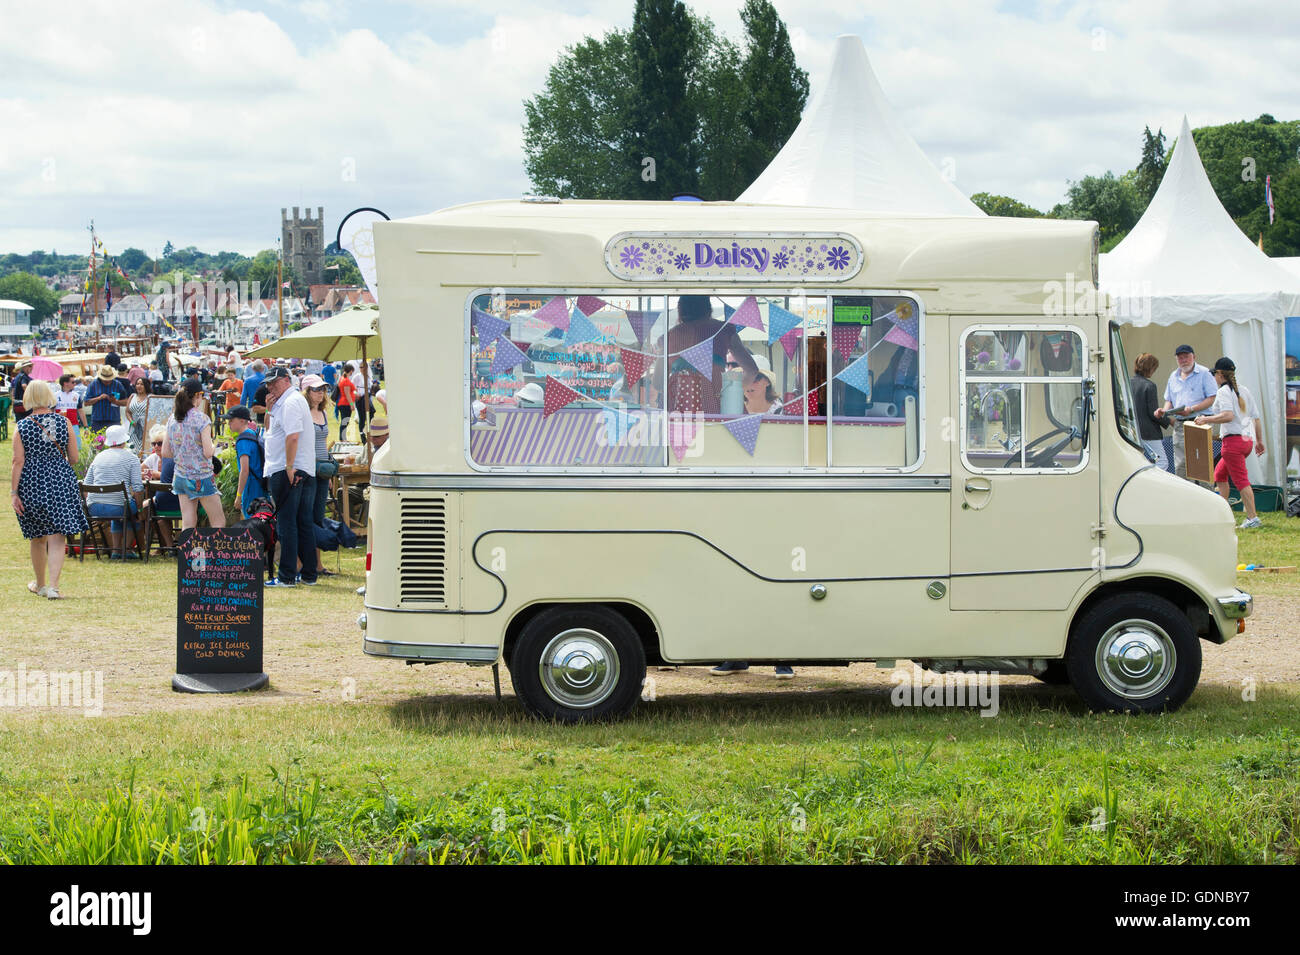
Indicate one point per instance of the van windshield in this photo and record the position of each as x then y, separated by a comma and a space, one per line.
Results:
1125, 413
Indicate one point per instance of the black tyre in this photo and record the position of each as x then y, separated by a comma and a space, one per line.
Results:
578, 664
1134, 653
1056, 674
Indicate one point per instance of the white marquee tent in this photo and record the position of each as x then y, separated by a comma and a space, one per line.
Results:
850, 152
1187, 273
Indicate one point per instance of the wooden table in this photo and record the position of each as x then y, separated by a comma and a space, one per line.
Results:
354, 474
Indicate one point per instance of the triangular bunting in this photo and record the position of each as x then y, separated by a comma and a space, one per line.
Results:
779, 323
790, 340
506, 357
635, 364
701, 357
580, 330
844, 338
727, 312
641, 323
858, 375
488, 327
556, 312
795, 405
747, 316
590, 304
556, 395
681, 435
745, 430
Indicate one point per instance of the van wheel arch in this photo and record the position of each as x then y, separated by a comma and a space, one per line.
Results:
1180, 595
636, 616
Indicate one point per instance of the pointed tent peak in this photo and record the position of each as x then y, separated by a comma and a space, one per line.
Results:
850, 151
1186, 243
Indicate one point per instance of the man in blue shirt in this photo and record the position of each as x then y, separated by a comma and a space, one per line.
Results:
253, 381
1191, 389
105, 397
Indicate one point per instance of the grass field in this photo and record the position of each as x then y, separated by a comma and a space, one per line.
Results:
349, 759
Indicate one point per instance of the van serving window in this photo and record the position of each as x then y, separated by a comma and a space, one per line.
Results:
719, 380
1023, 398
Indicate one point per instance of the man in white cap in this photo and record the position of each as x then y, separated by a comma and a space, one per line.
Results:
116, 464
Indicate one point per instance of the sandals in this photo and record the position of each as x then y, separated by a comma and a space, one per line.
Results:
38, 591
53, 593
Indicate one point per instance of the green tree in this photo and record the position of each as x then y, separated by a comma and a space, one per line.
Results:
576, 130
168, 250
132, 259
1283, 236
1111, 202
775, 88
1237, 157
718, 93
1151, 168
664, 120
347, 274
1004, 206
30, 290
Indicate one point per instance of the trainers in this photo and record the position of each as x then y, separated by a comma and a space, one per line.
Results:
730, 666
308, 583
784, 673
1251, 522
277, 582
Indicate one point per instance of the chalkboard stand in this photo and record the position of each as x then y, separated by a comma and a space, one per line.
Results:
218, 682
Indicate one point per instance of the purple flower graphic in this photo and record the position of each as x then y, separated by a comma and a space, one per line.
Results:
631, 257
837, 258
780, 260
659, 271
683, 262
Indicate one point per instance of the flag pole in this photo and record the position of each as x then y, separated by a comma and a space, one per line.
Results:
279, 287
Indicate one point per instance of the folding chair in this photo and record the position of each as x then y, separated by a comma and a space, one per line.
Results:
99, 526
153, 518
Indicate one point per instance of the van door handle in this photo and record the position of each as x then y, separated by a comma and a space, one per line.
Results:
973, 488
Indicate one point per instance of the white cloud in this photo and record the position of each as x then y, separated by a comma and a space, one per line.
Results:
196, 121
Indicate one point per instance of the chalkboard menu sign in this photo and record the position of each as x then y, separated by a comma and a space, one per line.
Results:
219, 610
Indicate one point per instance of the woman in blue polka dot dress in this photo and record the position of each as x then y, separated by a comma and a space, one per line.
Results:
45, 494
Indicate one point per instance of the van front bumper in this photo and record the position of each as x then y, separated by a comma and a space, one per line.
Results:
1237, 607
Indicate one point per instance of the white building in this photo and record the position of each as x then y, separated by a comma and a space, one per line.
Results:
15, 318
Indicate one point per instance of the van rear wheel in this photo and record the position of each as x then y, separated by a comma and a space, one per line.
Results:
1134, 653
578, 664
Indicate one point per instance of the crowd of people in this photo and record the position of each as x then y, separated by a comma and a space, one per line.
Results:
1201, 396
277, 416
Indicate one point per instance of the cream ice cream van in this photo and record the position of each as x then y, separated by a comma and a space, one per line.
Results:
645, 433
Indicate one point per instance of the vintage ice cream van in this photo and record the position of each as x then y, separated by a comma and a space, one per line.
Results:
640, 433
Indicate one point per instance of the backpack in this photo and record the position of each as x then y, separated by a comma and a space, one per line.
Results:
256, 451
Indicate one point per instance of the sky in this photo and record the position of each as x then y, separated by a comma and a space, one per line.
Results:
196, 121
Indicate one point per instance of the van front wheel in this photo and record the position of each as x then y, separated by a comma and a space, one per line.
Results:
578, 664
1134, 653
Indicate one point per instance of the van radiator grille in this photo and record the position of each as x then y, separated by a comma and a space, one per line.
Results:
423, 561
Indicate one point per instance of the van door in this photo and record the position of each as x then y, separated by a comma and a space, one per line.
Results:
1025, 488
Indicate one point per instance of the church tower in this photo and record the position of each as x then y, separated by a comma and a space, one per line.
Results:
302, 239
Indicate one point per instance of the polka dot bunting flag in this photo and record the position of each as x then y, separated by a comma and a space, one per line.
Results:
745, 430
590, 304
790, 340
780, 323
641, 323
857, 375
701, 357
488, 327
747, 316
844, 338
506, 357
556, 312
556, 395
580, 329
635, 364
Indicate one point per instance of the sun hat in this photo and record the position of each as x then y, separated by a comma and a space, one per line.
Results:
377, 426
116, 435
530, 392
107, 373
313, 381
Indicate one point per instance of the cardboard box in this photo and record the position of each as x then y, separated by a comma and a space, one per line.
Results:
1198, 441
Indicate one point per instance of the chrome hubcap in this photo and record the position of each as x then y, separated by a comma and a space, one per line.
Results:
579, 668
1136, 659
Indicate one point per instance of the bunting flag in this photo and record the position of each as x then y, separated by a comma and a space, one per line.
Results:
580, 329
641, 323
747, 316
904, 330
795, 405
635, 364
506, 357
556, 395
556, 312
1268, 201
790, 340
590, 304
844, 338
858, 375
780, 323
681, 435
108, 294
745, 430
727, 312
701, 357
488, 327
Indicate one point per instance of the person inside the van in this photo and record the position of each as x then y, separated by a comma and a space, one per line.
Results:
761, 397
689, 391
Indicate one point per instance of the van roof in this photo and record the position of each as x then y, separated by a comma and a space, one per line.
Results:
899, 250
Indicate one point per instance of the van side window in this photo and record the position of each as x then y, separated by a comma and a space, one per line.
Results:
1023, 398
